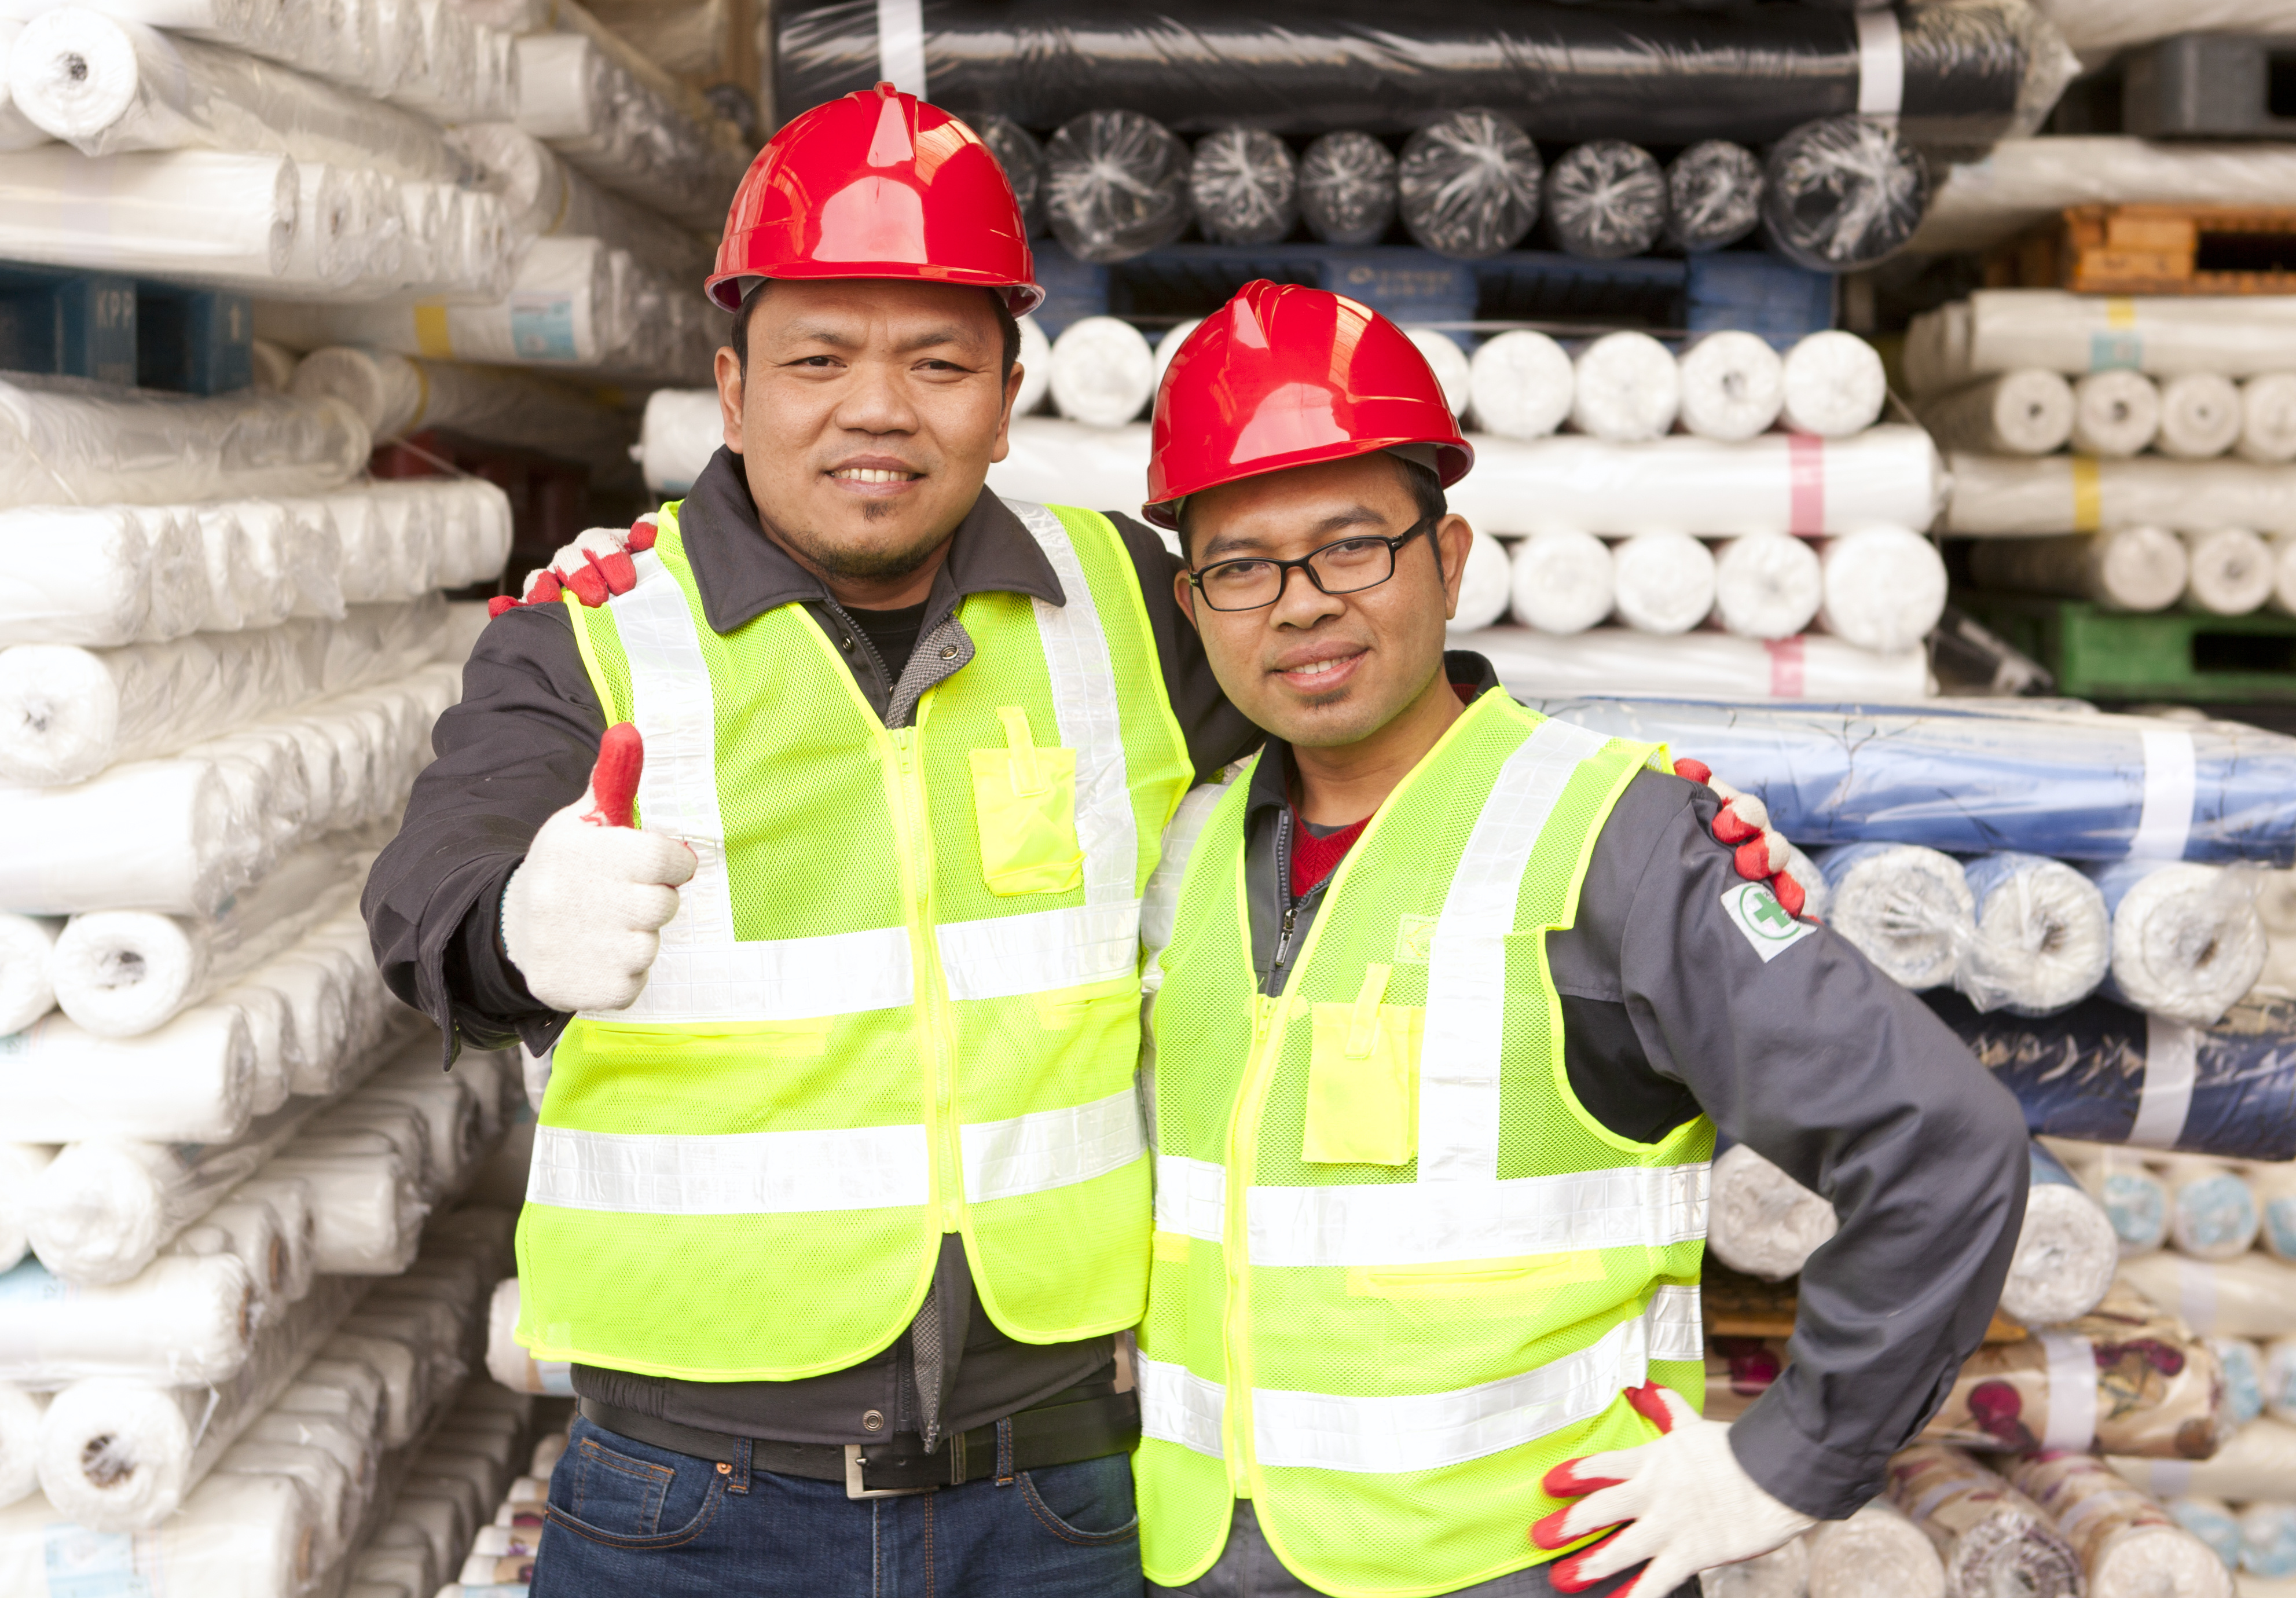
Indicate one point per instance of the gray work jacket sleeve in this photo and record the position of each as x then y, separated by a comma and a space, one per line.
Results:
1847, 1082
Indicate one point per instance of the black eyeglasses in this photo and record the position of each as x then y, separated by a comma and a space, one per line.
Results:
1349, 565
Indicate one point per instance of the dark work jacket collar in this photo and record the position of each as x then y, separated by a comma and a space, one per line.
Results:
741, 574
1271, 779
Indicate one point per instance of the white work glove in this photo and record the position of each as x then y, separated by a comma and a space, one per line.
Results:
582, 914
597, 565
1685, 1502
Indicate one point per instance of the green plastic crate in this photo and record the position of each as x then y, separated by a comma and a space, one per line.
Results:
2168, 655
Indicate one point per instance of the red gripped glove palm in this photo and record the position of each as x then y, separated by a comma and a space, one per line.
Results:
596, 566
1758, 851
1683, 1502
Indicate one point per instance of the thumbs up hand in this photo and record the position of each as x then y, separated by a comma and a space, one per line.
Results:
582, 916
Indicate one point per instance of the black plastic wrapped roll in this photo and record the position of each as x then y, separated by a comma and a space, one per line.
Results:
1116, 186
1016, 151
2090, 1073
1346, 188
1244, 186
1714, 195
1468, 185
1842, 194
1957, 72
1606, 198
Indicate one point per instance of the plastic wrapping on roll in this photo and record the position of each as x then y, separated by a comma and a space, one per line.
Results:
2200, 415
367, 1204
93, 583
235, 1536
2024, 181
72, 442
1767, 586
1990, 1536
1784, 1572
2136, 568
1521, 384
2187, 943
1714, 195
1609, 660
1626, 389
2212, 1214
1885, 588
185, 1318
1956, 74
2116, 414
1103, 372
1346, 188
510, 1364
1969, 777
1244, 186
1605, 199
1486, 585
2257, 1462
576, 97
1017, 152
1907, 909
2135, 1198
1842, 194
396, 395
1733, 385
2066, 1249
1468, 185
2235, 336
1116, 186
543, 197
17, 130
2129, 1545
2268, 425
192, 1080
20, 1164
27, 988
1448, 362
1662, 582
1833, 385
1876, 1552
1761, 1221
2043, 937
2212, 1521
2243, 1373
1562, 583
2227, 1090
2230, 571
2027, 412
203, 216
682, 427
2250, 1295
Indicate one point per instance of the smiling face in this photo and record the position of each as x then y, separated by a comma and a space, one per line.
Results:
1323, 671
866, 422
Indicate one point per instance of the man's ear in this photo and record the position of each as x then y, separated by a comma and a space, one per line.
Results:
729, 396
1185, 592
1004, 445
1453, 537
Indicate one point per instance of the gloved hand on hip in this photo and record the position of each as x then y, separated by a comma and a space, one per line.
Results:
1683, 1503
582, 914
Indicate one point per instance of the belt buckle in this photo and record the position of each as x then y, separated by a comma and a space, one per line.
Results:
857, 1488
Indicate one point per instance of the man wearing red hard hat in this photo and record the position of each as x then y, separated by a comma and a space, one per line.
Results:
1451, 1000
840, 1193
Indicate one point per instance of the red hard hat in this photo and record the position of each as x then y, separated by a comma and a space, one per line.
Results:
1285, 376
877, 184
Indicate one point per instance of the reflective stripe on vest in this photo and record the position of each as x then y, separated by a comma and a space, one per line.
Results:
1422, 1432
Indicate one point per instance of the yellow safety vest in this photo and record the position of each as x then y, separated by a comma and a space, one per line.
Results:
900, 997
1400, 1271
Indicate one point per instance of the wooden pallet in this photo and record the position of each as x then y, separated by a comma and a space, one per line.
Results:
2153, 249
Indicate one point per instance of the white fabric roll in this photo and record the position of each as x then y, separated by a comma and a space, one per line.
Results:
2258, 1464
597, 114
396, 395
326, 1486
2283, 574
2200, 415
1561, 581
684, 427
1907, 909
77, 446
2043, 939
1663, 581
235, 1536
2233, 335
2231, 572
1699, 665
1449, 363
1817, 898
180, 599
1885, 588
192, 1080
1732, 386
1834, 386
150, 833
20, 1434
1936, 352
289, 1200
2091, 26
2212, 1214
507, 1362
207, 215
21, 1165
2066, 1255
1035, 360
1876, 1552
368, 1213
1103, 372
2267, 418
2116, 414
1625, 389
27, 984
2186, 942
251, 1231
186, 1318
90, 584
1780, 1573
1521, 384
2244, 1372
554, 316
17, 130
543, 197
1767, 586
1486, 587
2014, 494
2023, 413
2136, 1201
2135, 569
1761, 1221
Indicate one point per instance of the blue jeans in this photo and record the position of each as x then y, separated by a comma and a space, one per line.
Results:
627, 1520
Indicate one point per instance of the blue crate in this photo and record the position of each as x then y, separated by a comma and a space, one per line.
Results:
1757, 292
120, 330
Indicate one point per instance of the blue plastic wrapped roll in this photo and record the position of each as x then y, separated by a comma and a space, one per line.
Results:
2136, 1202
1906, 908
2186, 940
2043, 935
2213, 1213
2268, 1540
2208, 1519
2043, 778
2243, 1371
2104, 1073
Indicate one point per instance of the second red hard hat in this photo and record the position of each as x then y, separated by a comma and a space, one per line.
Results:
1285, 376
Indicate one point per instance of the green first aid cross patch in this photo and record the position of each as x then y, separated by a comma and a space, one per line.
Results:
1755, 910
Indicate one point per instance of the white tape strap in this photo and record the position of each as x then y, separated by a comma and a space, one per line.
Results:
774, 979
1176, 1406
1047, 1149
740, 1173
901, 44
2197, 1294
2072, 1391
1880, 64
1190, 1196
2165, 823
2165, 1097
1040, 951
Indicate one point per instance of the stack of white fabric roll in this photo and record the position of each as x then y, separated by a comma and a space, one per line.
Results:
2143, 447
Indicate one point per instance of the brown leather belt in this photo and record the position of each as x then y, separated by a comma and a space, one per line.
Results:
1051, 1434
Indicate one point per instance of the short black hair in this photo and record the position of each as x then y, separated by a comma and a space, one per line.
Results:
1005, 323
1425, 488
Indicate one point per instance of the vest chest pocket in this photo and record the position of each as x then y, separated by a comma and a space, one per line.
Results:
1363, 1080
1024, 807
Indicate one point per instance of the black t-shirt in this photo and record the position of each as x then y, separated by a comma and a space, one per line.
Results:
893, 632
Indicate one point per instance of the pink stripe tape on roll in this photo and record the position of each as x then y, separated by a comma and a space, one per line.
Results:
1785, 667
1806, 483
